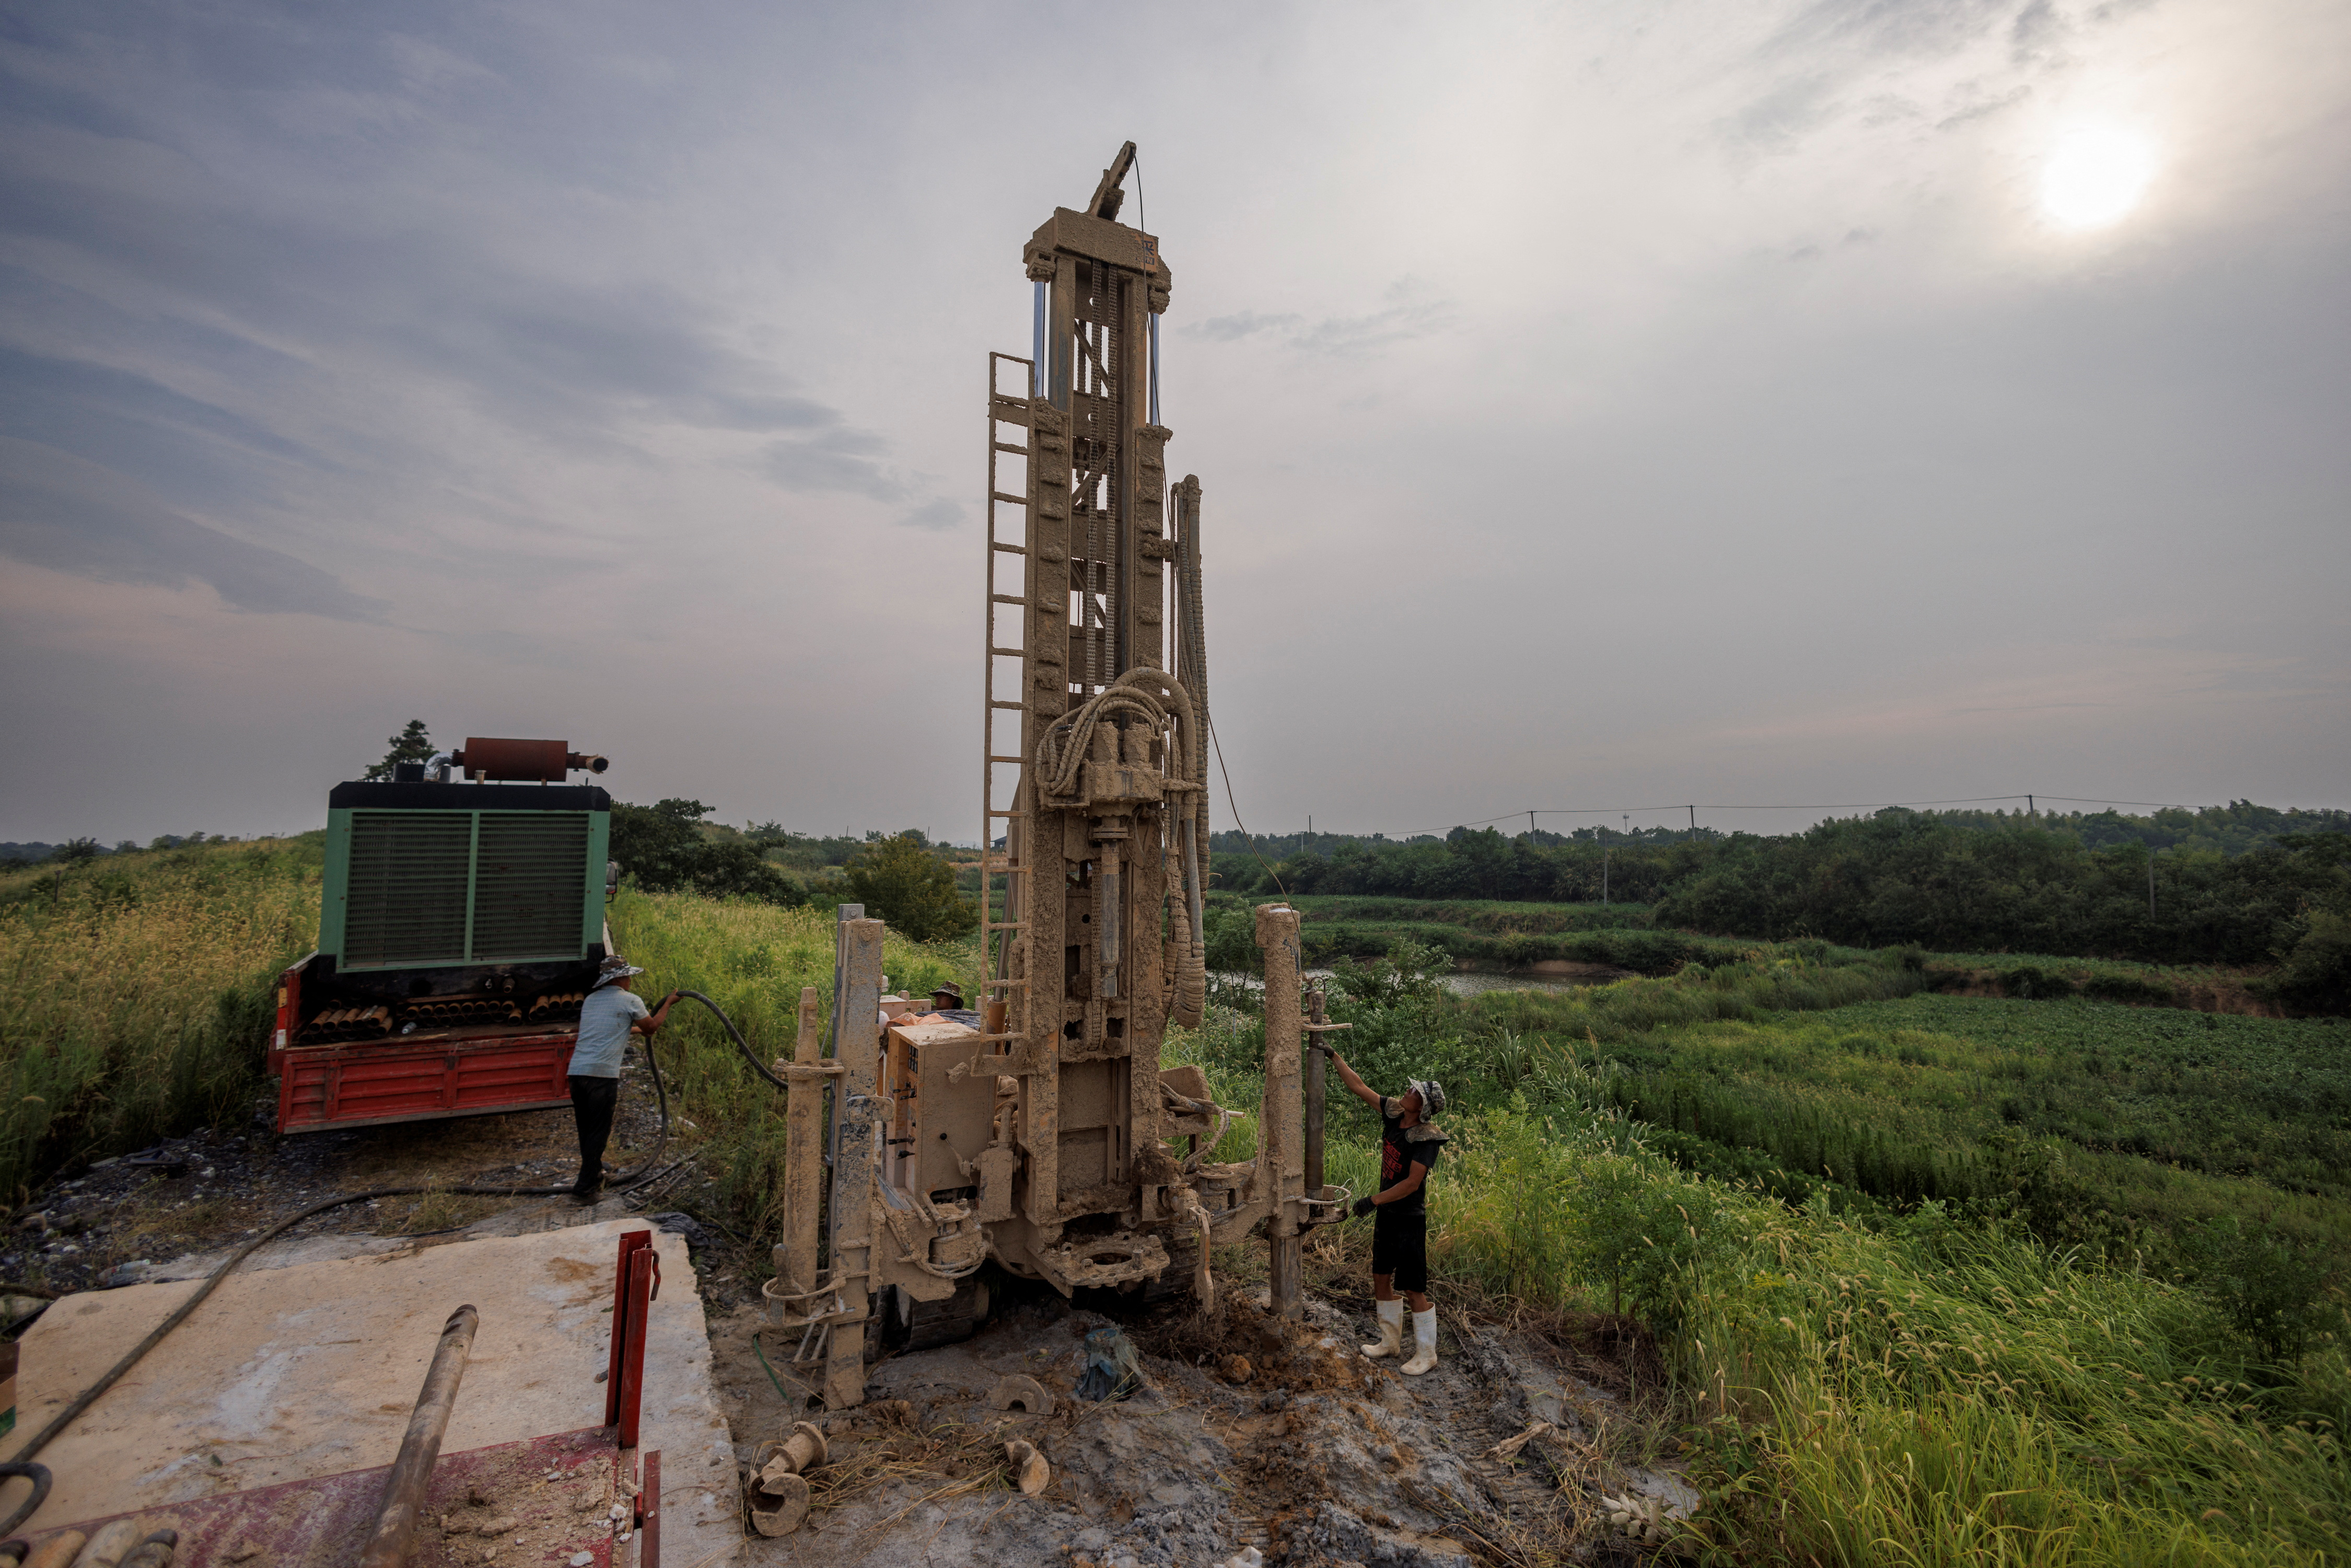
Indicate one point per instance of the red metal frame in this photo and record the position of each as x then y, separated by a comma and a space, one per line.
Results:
289, 1012
323, 1518
365, 1084
636, 1285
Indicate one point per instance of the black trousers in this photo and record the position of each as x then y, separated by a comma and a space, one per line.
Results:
593, 1100
1399, 1247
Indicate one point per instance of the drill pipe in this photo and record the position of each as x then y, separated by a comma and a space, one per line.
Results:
411, 1470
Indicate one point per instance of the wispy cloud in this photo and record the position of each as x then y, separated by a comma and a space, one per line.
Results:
1412, 310
70, 515
1245, 324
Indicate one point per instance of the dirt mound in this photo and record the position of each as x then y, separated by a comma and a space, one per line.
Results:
1244, 1345
1247, 1430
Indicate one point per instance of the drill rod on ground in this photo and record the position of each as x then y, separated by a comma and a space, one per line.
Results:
411, 1469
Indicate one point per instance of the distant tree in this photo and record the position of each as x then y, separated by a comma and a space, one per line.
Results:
905, 884
125, 846
75, 850
411, 745
662, 849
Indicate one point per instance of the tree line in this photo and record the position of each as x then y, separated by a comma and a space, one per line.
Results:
2168, 893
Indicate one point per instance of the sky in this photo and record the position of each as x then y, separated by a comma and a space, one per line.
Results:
1744, 405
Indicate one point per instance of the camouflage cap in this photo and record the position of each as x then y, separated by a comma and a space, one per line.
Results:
1432, 1095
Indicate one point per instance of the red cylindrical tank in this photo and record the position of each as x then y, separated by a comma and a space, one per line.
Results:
527, 761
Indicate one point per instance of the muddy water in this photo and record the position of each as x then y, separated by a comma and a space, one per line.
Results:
1477, 982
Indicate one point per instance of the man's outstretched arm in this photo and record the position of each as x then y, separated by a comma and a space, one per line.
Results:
1356, 1085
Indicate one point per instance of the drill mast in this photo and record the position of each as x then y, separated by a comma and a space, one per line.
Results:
1100, 806
1050, 1142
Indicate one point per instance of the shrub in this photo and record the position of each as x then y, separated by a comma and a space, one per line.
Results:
2272, 1289
2316, 972
900, 881
662, 848
2029, 982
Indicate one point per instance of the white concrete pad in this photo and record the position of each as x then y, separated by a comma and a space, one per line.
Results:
311, 1369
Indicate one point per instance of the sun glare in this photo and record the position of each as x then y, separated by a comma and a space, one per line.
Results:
2095, 176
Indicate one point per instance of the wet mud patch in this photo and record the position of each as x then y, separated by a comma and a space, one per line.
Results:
1247, 1430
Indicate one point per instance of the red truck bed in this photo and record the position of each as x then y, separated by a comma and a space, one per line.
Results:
415, 1078
456, 1072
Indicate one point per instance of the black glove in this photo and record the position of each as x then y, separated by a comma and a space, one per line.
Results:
1363, 1206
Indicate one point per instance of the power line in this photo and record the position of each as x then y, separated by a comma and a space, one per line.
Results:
1532, 813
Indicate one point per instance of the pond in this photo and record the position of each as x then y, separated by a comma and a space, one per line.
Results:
1555, 976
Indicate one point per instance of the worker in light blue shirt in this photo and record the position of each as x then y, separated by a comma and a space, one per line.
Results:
607, 1018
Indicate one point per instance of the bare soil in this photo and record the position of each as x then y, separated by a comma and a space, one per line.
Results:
117, 1221
1248, 1431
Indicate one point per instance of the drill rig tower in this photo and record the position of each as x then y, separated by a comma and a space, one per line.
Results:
1049, 1142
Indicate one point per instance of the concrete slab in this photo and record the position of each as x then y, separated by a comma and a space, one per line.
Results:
310, 1369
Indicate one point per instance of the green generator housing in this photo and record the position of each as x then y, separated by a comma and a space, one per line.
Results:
426, 875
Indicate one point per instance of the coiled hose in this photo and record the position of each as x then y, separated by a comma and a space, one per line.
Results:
20, 1463
1161, 701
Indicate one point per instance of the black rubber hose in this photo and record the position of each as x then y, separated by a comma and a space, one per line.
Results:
737, 1036
19, 1464
37, 1474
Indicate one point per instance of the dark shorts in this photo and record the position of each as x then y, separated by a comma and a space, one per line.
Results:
1400, 1247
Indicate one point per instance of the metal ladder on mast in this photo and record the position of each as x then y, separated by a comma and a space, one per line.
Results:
998, 938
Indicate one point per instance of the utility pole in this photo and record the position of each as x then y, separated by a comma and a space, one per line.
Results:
1692, 811
1531, 828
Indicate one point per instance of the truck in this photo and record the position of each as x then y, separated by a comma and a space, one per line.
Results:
460, 925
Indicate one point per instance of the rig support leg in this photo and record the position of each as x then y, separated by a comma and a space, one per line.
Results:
1316, 1065
1281, 1134
856, 1038
803, 1156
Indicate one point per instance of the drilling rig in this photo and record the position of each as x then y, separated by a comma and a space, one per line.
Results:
1049, 1142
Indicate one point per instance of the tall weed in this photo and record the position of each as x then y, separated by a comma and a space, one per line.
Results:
139, 994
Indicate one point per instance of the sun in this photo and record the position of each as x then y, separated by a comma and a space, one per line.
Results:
2095, 176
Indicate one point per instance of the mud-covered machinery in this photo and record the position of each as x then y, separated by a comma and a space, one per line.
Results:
1049, 1142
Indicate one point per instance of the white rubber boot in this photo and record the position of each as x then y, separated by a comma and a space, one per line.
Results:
1424, 1343
1391, 1330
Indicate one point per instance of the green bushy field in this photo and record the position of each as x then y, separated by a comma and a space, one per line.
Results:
1867, 1373
1874, 1378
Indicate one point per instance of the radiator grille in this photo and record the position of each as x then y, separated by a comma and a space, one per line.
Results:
405, 901
528, 885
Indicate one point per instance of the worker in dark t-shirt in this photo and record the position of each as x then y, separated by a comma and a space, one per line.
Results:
1408, 1146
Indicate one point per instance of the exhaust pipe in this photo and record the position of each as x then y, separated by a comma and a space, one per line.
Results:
524, 761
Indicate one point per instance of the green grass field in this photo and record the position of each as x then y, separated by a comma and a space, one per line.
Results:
137, 994
2126, 1130
1502, 935
1867, 1373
